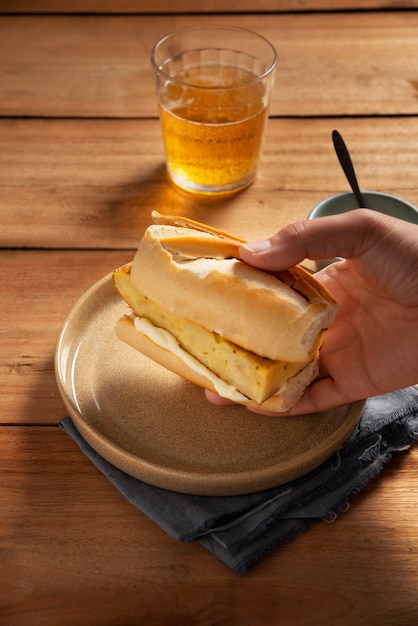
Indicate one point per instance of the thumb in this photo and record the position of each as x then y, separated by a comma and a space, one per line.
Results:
347, 235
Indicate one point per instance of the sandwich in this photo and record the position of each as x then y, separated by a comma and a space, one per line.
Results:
197, 309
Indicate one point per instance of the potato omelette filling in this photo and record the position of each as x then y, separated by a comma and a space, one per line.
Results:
254, 376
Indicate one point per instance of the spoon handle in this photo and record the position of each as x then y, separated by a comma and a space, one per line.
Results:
347, 165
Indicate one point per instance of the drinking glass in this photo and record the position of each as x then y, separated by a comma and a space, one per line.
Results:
213, 88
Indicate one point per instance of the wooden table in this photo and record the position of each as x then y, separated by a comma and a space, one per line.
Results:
81, 168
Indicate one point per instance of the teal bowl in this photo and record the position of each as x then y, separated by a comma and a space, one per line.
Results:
375, 200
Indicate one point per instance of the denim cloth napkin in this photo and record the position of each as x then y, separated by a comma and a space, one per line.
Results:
241, 530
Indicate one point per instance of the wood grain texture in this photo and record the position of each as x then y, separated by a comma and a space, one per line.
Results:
190, 6
99, 192
81, 169
38, 290
89, 558
75, 552
98, 66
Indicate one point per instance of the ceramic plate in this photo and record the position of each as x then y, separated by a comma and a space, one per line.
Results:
159, 428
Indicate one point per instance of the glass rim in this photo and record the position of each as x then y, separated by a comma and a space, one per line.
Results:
158, 70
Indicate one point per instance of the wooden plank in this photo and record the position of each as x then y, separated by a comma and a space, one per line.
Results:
190, 6
100, 191
35, 304
74, 551
98, 66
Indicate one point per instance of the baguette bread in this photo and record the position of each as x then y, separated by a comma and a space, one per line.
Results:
200, 311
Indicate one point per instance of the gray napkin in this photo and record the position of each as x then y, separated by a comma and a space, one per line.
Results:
241, 530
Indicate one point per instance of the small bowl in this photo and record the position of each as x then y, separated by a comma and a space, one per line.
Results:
375, 200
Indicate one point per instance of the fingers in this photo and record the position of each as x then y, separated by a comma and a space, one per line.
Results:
322, 395
215, 399
347, 235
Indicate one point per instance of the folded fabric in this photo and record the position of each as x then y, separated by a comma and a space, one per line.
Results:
241, 530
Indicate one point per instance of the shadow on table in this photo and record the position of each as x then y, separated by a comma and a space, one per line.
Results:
129, 207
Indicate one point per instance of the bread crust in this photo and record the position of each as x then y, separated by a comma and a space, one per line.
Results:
199, 275
195, 272
296, 276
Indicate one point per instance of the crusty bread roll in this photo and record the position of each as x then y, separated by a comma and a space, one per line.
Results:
200, 311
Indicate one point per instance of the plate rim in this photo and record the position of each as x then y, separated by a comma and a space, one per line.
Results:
187, 481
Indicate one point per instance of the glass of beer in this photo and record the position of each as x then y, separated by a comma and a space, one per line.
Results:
213, 89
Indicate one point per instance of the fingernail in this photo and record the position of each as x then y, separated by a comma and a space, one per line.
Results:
257, 246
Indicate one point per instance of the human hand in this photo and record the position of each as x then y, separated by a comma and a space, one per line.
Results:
372, 346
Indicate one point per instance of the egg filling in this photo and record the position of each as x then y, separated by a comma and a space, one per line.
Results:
254, 376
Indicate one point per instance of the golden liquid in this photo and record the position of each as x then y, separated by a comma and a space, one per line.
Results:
213, 136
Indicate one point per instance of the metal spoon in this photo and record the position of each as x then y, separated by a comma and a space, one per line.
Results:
347, 165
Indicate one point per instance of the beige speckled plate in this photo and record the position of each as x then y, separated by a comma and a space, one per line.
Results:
159, 428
